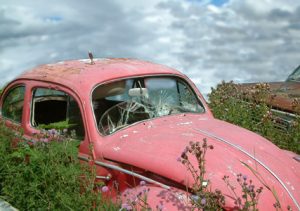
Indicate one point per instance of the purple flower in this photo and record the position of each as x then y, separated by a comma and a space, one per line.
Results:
179, 159
126, 206
251, 188
195, 197
142, 183
104, 189
203, 201
129, 207
53, 132
245, 177
160, 206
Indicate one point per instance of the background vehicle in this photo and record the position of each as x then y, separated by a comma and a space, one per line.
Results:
284, 98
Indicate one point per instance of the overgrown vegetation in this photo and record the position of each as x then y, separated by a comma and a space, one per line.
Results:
249, 109
46, 175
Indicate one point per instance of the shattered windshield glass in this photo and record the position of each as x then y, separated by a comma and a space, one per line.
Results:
295, 76
122, 103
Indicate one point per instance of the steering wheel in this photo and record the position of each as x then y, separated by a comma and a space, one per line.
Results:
121, 115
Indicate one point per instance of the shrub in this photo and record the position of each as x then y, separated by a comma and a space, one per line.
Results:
250, 110
46, 175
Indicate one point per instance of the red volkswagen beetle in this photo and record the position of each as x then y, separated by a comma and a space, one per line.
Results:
135, 118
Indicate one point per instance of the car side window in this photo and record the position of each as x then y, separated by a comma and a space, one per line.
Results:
12, 107
188, 99
53, 109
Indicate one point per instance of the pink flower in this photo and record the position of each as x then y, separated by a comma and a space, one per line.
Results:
104, 189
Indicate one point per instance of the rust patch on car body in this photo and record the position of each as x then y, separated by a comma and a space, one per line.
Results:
284, 96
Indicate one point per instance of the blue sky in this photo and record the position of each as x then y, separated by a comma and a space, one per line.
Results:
218, 2
210, 41
214, 2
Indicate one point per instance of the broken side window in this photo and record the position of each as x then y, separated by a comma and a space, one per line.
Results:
56, 109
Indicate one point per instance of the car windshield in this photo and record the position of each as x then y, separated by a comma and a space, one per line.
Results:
122, 103
295, 76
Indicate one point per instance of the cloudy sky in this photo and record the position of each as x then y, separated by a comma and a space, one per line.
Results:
208, 40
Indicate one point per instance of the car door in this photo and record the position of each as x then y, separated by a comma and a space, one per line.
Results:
56, 107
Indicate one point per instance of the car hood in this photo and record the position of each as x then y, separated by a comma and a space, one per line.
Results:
155, 146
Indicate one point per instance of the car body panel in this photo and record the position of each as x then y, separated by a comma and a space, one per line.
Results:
167, 137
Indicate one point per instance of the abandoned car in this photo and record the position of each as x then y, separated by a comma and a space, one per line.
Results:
284, 98
139, 117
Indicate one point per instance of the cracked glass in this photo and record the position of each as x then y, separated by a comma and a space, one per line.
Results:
122, 103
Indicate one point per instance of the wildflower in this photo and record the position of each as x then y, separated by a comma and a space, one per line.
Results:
195, 197
52, 132
250, 188
65, 130
142, 183
45, 140
104, 189
160, 206
203, 201
129, 207
179, 159
245, 177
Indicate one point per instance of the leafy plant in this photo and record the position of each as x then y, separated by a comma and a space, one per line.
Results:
56, 125
46, 175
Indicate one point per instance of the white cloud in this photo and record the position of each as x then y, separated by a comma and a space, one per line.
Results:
249, 40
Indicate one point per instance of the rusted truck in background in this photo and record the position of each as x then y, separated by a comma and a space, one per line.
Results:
283, 98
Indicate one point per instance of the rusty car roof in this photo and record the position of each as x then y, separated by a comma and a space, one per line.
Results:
82, 73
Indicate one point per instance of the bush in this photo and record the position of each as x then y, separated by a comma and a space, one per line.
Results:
229, 103
46, 176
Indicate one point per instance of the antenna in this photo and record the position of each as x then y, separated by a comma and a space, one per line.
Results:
91, 57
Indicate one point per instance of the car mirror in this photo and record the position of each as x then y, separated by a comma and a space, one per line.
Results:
138, 92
